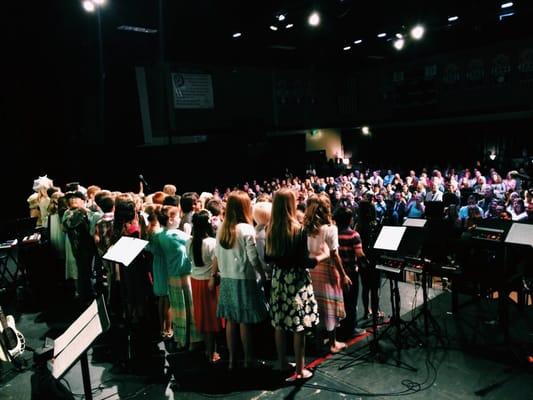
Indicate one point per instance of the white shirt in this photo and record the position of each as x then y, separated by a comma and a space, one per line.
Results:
208, 255
238, 262
328, 234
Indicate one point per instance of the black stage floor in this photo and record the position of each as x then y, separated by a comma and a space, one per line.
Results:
464, 357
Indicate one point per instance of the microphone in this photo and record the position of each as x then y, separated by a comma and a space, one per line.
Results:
145, 184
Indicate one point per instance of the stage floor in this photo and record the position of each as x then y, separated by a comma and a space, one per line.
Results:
464, 357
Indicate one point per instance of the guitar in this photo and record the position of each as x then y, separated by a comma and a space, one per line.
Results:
12, 342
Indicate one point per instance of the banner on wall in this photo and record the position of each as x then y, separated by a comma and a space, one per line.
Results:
192, 91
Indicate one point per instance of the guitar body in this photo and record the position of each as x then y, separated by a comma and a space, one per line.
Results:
11, 340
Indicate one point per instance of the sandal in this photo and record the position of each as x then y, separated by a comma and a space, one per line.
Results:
305, 375
338, 347
168, 334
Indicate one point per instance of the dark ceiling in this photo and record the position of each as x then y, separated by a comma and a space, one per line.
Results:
198, 31
202, 30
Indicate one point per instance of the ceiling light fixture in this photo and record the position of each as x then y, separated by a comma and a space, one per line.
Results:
88, 6
382, 35
502, 16
237, 34
358, 41
314, 19
398, 44
289, 26
452, 19
273, 28
346, 48
507, 5
417, 32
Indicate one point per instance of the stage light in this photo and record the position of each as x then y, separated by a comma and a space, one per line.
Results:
502, 16
452, 19
237, 34
365, 130
417, 32
99, 2
281, 17
398, 44
88, 6
346, 48
289, 26
492, 156
507, 5
314, 19
346, 161
358, 41
382, 35
399, 36
273, 28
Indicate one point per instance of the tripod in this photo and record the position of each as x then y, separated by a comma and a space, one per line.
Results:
374, 351
425, 313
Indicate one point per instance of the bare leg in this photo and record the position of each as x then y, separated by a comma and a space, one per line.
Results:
246, 340
299, 351
210, 346
281, 348
335, 346
167, 323
231, 339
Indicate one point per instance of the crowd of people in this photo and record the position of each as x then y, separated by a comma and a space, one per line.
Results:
293, 251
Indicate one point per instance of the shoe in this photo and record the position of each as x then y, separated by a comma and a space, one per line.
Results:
305, 375
337, 348
358, 332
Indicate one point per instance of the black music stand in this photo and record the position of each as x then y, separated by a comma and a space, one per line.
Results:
519, 236
429, 319
391, 240
73, 344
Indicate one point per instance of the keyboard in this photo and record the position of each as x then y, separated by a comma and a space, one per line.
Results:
394, 270
8, 244
33, 238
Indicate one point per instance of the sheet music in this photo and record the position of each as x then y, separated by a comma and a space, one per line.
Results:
63, 341
58, 365
520, 234
415, 222
390, 237
125, 250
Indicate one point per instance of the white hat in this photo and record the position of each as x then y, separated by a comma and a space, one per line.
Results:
43, 182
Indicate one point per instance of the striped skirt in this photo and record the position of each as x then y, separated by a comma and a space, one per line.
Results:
328, 293
182, 310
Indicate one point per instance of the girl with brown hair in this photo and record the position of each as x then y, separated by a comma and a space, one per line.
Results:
241, 302
329, 275
293, 304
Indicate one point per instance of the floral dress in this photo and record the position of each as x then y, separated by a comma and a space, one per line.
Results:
293, 306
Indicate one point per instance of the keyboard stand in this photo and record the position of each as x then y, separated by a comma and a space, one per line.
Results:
374, 352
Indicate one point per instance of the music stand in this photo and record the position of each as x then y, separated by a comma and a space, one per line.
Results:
73, 344
390, 240
519, 236
125, 250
